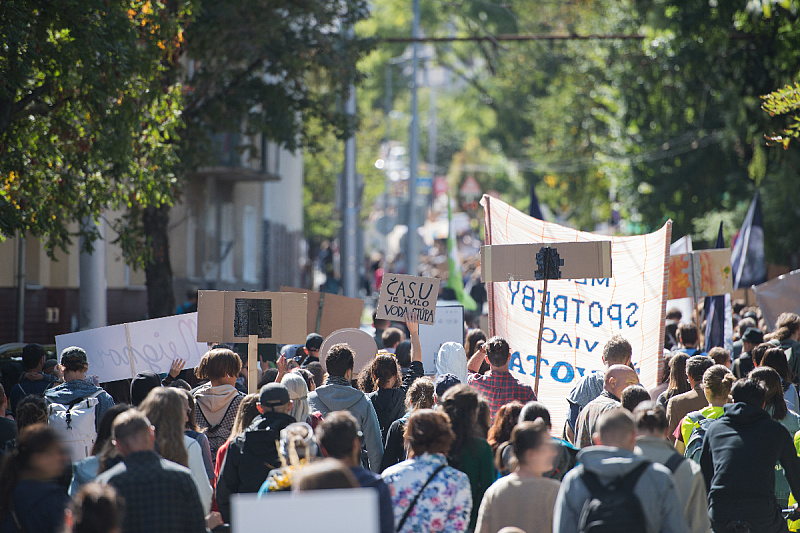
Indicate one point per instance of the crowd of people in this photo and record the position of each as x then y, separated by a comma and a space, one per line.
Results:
464, 446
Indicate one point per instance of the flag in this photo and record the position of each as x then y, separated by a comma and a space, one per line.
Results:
534, 210
747, 257
717, 309
454, 278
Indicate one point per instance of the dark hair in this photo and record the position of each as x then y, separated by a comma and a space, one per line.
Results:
75, 365
528, 436
484, 419
104, 427
428, 431
774, 403
633, 395
497, 351
719, 355
786, 326
336, 434
339, 360
650, 417
219, 363
181, 384
718, 381
744, 324
391, 336
673, 313
317, 371
32, 409
697, 365
617, 351
533, 410
97, 508
267, 376
474, 336
31, 440
32, 355
687, 333
383, 368
460, 402
750, 392
324, 474
615, 424
306, 375
403, 354
678, 382
775, 358
758, 352
363, 381
504, 422
420, 394
665, 373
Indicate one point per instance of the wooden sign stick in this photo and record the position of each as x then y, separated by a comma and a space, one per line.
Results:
539, 341
252, 352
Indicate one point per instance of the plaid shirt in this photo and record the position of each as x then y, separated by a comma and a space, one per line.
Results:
500, 389
160, 496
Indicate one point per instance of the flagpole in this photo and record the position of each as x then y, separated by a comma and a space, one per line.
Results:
539, 341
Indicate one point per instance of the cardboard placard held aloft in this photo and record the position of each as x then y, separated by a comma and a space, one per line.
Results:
415, 295
361, 343
569, 260
700, 273
329, 312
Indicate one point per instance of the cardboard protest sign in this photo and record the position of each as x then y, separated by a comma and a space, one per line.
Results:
361, 342
509, 262
223, 316
119, 352
779, 295
448, 327
401, 294
700, 274
345, 511
580, 315
329, 312
684, 305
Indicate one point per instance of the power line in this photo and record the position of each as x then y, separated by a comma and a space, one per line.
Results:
515, 37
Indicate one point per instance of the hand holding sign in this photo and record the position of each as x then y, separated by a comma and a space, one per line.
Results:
405, 296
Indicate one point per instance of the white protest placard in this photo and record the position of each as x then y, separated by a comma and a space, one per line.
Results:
448, 327
119, 352
779, 295
344, 511
413, 294
580, 315
361, 343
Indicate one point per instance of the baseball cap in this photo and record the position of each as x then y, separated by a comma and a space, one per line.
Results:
49, 363
314, 341
754, 335
74, 353
444, 382
273, 394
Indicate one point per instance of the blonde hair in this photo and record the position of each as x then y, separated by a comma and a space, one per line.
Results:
717, 381
164, 407
298, 393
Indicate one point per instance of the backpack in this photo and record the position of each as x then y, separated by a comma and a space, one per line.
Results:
696, 438
75, 422
613, 508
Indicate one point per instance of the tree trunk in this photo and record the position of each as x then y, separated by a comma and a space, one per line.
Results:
160, 294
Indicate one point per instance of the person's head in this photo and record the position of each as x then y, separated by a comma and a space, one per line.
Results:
338, 436
497, 352
50, 367
752, 337
533, 410
451, 359
428, 431
617, 351
678, 381
633, 396
759, 351
324, 474
132, 432
787, 327
313, 344
687, 335
474, 337
307, 376
391, 337
775, 358
461, 405
420, 394
268, 376
104, 427
616, 428
403, 354
364, 381
533, 448
484, 418
142, 384
167, 410
748, 391
379, 324
717, 383
774, 403
675, 314
385, 372
33, 356
504, 421
339, 361
297, 444
74, 362
298, 393
97, 508
618, 378
443, 383
245, 414
221, 366
274, 397
665, 369
720, 356
31, 409
651, 420
318, 372
696, 366
744, 325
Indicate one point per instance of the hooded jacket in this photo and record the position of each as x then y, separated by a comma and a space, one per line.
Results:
738, 459
655, 490
335, 397
216, 412
390, 405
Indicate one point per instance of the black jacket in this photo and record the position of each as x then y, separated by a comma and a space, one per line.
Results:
389, 404
738, 458
250, 458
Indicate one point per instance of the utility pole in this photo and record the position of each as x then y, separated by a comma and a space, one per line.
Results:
92, 280
349, 251
413, 159
21, 271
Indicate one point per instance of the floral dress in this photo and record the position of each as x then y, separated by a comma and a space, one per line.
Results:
444, 505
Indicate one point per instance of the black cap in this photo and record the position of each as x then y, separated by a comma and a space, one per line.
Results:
314, 341
444, 382
273, 395
753, 335
142, 384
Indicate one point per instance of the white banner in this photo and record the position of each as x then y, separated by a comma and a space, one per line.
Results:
580, 315
448, 327
779, 295
119, 352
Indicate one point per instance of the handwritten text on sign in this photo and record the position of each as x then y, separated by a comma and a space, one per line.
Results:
415, 295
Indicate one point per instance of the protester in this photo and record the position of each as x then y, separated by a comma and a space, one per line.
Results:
656, 390
96, 509
745, 362
673, 318
160, 496
338, 437
633, 396
32, 380
319, 374
337, 394
297, 448
738, 459
217, 400
420, 396
652, 444
380, 325
409, 356
524, 498
717, 383
720, 356
504, 424
566, 453
31, 410
443, 383
678, 381
498, 386
468, 453
475, 339
8, 429
254, 453
311, 353
651, 503
775, 358
298, 393
694, 400
145, 381
617, 379
245, 414
324, 475
390, 338
741, 328
688, 339
427, 494
190, 429
451, 359
387, 397
787, 333
86, 469
29, 500
617, 351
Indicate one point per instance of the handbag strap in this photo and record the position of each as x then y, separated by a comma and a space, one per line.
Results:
15, 518
414, 501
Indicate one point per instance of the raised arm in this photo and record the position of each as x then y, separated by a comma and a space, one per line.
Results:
413, 330
475, 362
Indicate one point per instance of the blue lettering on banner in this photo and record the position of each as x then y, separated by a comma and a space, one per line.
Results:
578, 310
565, 338
513, 292
599, 314
617, 315
546, 303
551, 331
628, 320
532, 359
527, 296
569, 373
560, 308
515, 363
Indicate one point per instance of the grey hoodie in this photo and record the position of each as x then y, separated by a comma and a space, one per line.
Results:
655, 490
333, 397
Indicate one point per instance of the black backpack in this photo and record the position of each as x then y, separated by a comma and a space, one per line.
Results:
613, 508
